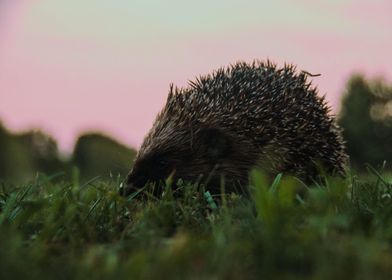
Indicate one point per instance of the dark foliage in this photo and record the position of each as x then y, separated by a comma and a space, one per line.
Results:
366, 117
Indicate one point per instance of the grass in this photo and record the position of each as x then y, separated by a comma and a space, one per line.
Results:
52, 230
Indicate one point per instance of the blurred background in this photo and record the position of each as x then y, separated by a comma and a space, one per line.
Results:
81, 81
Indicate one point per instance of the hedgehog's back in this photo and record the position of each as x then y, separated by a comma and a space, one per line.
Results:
274, 110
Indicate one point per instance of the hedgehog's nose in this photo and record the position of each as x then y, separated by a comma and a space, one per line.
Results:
126, 189
133, 183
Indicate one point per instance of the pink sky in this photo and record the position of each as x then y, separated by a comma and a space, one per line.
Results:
67, 66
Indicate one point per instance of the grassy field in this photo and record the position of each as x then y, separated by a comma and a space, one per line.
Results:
67, 230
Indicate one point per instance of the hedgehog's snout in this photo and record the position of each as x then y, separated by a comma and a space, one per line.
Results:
132, 183
126, 187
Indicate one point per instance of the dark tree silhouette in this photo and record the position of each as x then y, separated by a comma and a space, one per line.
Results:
99, 155
366, 117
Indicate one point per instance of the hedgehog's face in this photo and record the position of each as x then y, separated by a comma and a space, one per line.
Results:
194, 158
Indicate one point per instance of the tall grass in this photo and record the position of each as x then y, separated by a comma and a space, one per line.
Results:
284, 230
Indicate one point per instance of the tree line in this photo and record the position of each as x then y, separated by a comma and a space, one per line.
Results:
23, 155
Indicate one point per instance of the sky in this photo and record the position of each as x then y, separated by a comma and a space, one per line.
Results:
69, 66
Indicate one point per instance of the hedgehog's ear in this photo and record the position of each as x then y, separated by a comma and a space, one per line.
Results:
215, 142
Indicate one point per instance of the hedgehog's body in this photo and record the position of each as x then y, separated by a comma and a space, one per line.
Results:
237, 118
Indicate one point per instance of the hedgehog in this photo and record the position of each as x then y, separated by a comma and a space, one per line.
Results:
247, 115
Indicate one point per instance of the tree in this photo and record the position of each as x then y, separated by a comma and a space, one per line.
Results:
43, 151
23, 155
99, 155
366, 117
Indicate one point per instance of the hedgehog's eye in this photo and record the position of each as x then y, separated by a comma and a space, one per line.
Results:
163, 163
216, 142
